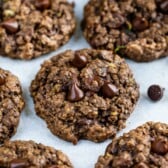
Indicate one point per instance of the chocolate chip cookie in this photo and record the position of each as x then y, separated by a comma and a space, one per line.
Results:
30, 28
85, 94
11, 104
28, 154
137, 29
144, 147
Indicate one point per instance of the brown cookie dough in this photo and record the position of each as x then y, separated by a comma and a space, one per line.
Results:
11, 104
85, 94
144, 147
28, 154
30, 28
137, 29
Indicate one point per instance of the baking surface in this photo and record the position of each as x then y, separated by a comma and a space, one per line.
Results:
85, 153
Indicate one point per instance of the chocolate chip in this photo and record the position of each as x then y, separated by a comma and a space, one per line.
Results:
79, 61
42, 4
139, 23
109, 90
75, 93
159, 146
141, 165
164, 6
18, 163
10, 25
2, 79
155, 92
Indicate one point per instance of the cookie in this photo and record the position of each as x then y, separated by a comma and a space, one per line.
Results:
28, 154
137, 29
31, 28
144, 147
85, 94
11, 104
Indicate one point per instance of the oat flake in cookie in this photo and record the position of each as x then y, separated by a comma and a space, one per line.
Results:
11, 104
28, 154
30, 28
137, 29
144, 147
85, 94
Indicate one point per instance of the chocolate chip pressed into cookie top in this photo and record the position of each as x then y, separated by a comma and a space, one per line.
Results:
31, 28
85, 94
137, 29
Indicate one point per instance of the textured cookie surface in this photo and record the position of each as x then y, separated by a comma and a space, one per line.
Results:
11, 104
85, 94
28, 154
137, 29
30, 28
144, 147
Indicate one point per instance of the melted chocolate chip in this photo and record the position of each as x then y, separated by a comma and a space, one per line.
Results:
109, 90
164, 6
139, 23
79, 61
155, 92
2, 79
75, 93
42, 4
18, 163
141, 165
10, 25
159, 146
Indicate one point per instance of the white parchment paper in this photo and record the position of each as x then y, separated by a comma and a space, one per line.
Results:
85, 153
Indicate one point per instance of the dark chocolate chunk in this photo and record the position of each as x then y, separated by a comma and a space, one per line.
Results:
42, 4
2, 79
75, 93
109, 90
18, 163
79, 61
139, 23
159, 146
155, 92
10, 25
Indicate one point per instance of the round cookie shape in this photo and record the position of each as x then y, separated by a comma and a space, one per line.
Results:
137, 29
28, 154
11, 104
143, 147
31, 28
85, 94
